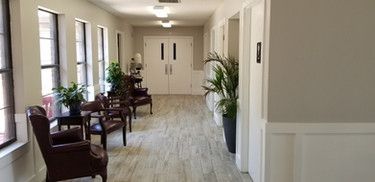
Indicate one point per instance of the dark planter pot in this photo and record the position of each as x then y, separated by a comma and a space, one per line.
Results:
230, 133
75, 108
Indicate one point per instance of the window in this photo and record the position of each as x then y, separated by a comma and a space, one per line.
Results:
101, 59
81, 55
119, 46
7, 122
49, 56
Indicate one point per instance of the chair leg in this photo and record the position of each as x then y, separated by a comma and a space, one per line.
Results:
151, 108
134, 111
104, 177
47, 179
124, 135
104, 140
130, 122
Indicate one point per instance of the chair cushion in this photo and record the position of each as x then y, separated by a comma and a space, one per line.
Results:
109, 125
100, 157
142, 100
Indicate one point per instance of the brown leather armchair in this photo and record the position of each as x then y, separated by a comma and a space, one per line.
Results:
105, 125
66, 155
117, 103
138, 96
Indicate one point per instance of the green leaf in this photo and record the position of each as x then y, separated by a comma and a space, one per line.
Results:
70, 95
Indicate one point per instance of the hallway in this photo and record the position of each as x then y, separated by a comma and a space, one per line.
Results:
179, 142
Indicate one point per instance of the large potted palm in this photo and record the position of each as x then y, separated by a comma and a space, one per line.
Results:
225, 84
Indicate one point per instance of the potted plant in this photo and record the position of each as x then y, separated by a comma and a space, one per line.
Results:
115, 76
225, 84
71, 97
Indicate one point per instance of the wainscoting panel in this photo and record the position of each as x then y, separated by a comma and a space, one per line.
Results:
334, 152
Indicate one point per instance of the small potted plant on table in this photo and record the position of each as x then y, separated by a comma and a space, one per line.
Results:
71, 97
225, 83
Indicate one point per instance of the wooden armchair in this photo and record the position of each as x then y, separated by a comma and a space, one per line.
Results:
105, 125
118, 103
66, 155
138, 96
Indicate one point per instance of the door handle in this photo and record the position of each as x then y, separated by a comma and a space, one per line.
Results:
162, 51
170, 69
166, 69
174, 51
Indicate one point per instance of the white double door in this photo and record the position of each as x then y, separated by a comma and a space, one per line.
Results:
168, 64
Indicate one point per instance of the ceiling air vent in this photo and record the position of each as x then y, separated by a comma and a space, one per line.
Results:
169, 1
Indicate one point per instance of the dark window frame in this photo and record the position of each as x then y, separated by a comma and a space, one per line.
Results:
102, 61
119, 46
84, 62
9, 69
56, 65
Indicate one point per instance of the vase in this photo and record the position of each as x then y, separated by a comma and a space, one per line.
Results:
75, 108
229, 125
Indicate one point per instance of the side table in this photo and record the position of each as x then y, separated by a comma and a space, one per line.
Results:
82, 119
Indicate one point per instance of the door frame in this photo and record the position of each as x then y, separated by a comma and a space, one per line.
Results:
244, 125
171, 37
121, 52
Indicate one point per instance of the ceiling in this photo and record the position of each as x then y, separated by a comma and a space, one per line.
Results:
140, 12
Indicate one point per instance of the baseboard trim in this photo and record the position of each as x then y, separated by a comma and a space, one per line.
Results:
39, 176
197, 92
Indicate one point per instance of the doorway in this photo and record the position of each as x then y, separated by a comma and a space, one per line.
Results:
233, 45
168, 63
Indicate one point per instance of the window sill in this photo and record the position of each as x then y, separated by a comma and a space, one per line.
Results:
12, 153
15, 150
53, 125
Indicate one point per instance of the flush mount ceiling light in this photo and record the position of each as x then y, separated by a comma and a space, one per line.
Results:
160, 12
166, 24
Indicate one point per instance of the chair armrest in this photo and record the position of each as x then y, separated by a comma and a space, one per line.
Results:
98, 116
117, 109
67, 136
140, 91
72, 147
123, 102
121, 111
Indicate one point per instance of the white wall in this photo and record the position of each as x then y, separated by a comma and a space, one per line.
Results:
227, 9
26, 163
196, 32
322, 60
218, 23
321, 103
318, 58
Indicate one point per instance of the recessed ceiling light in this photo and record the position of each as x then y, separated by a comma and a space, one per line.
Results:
166, 24
160, 12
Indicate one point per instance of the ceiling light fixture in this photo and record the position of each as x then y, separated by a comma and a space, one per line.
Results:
166, 24
160, 12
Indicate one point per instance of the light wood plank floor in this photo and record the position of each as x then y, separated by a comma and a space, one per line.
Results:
178, 143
